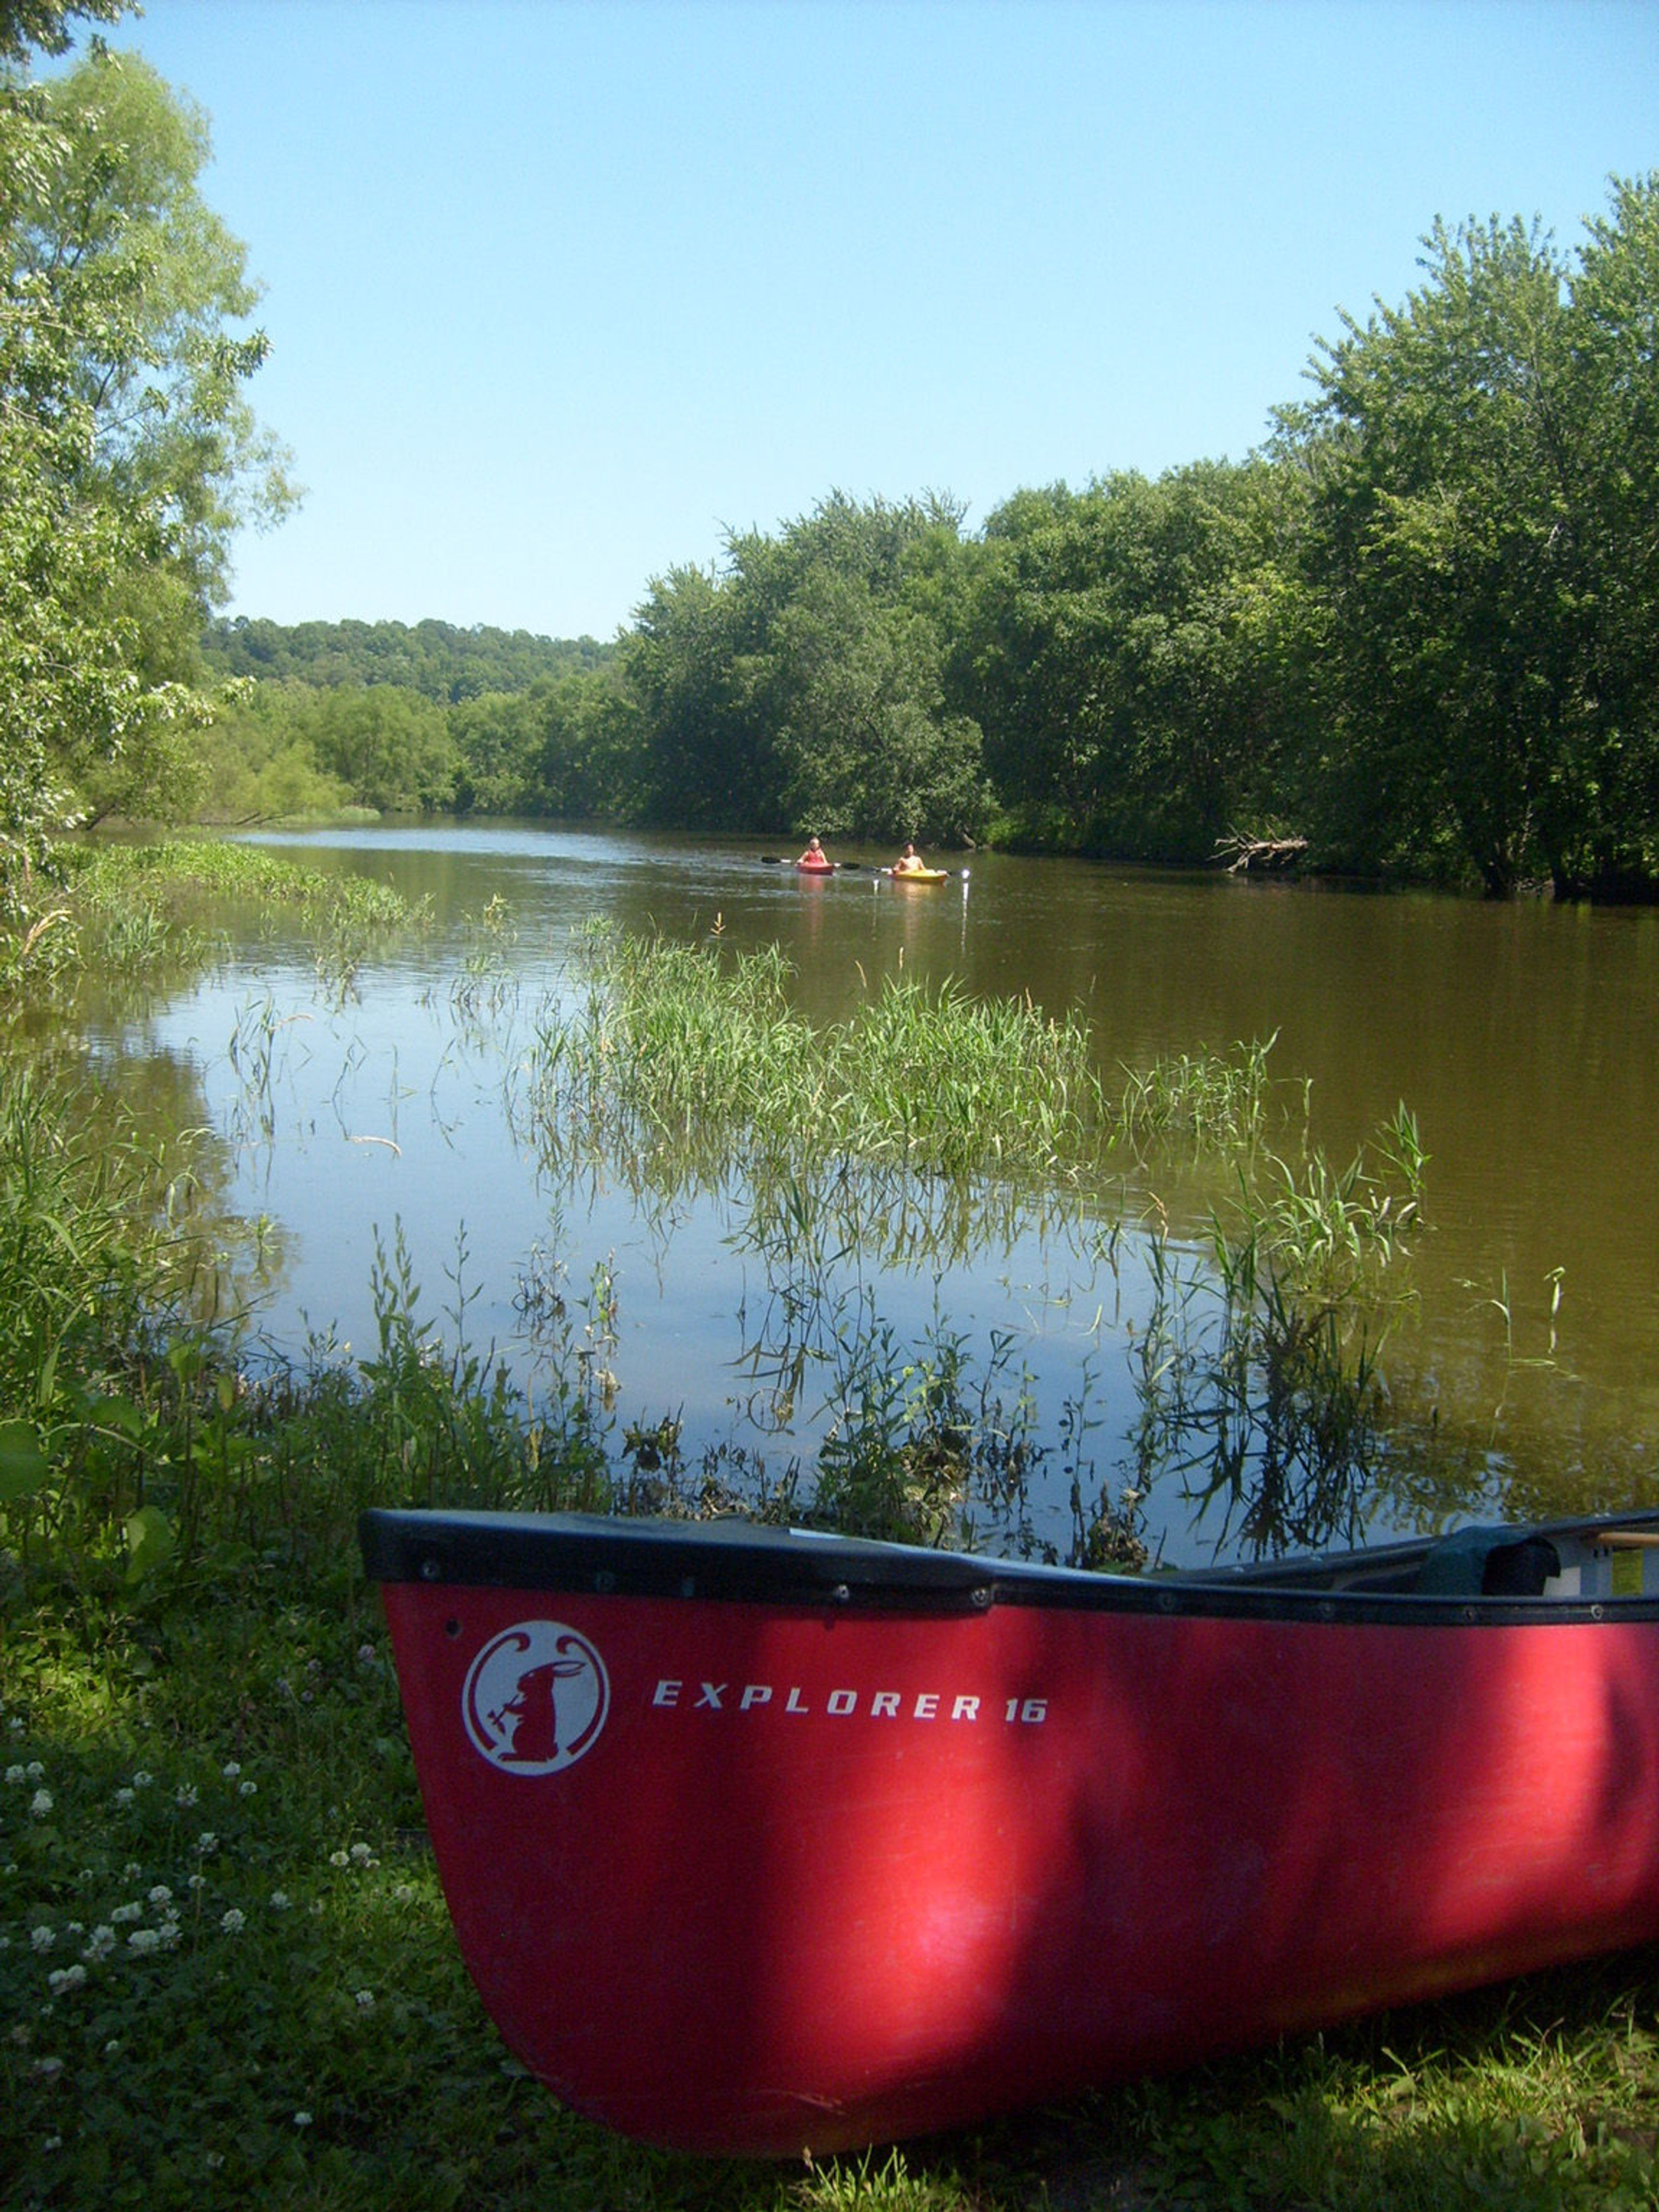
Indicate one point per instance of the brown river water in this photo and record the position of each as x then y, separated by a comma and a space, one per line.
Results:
1524, 1038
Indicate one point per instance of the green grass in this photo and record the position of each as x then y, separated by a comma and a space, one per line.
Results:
687, 1062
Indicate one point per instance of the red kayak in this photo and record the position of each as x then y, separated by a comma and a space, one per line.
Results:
815, 867
761, 1841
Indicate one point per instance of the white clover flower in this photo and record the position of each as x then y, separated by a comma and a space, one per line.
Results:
161, 1895
141, 1780
168, 1934
47, 2069
132, 1871
184, 1795
206, 1842
405, 1892
279, 1900
52, 2143
365, 2000
366, 1655
42, 1938
363, 1856
99, 1944
14, 1776
75, 1928
232, 1921
35, 1770
247, 1789
112, 2049
15, 1727
231, 1769
143, 1941
62, 1979
40, 1804
339, 1858
302, 2120
197, 1881
123, 1913
125, 1796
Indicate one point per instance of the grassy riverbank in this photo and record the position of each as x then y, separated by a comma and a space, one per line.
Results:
227, 1975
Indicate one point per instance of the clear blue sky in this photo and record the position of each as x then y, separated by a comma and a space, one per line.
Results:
560, 289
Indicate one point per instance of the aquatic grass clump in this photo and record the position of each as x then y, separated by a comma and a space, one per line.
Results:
1218, 1102
675, 1050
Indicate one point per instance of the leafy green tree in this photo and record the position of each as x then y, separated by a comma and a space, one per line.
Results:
806, 683
1600, 814
707, 756
865, 744
260, 760
1480, 462
1130, 651
124, 446
390, 748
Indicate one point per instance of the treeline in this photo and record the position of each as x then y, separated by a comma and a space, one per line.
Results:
1415, 631
436, 658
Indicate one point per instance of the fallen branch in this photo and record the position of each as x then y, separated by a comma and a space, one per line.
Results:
1243, 853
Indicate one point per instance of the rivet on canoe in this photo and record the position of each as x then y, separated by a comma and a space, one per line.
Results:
604, 1582
981, 1596
431, 1571
841, 1595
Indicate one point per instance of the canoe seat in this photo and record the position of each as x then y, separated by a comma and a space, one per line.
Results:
1488, 1562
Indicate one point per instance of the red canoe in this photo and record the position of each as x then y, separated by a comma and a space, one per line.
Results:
760, 1841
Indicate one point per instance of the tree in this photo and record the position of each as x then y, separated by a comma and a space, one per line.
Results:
866, 746
1130, 650
1481, 463
126, 454
390, 748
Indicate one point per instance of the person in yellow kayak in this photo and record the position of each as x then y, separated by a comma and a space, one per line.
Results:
910, 863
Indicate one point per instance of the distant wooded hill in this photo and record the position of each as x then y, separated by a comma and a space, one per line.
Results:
438, 659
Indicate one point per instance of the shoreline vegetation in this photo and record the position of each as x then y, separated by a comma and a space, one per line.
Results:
208, 1824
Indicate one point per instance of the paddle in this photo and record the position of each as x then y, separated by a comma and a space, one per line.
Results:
835, 867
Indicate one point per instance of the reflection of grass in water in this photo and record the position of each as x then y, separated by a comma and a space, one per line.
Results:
1257, 1371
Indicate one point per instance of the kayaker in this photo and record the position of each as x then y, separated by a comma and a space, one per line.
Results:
814, 856
910, 863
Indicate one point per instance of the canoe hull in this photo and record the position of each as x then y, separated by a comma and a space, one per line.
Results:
770, 1878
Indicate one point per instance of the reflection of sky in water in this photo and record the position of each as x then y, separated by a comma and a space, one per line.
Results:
1524, 1038
392, 1113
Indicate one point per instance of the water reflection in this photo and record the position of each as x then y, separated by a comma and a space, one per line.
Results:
1525, 1039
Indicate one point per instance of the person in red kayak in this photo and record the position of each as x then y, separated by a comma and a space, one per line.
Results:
910, 863
814, 857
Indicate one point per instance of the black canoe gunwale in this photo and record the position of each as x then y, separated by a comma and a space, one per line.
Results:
737, 1561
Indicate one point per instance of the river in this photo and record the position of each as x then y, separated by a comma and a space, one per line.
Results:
1524, 1037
